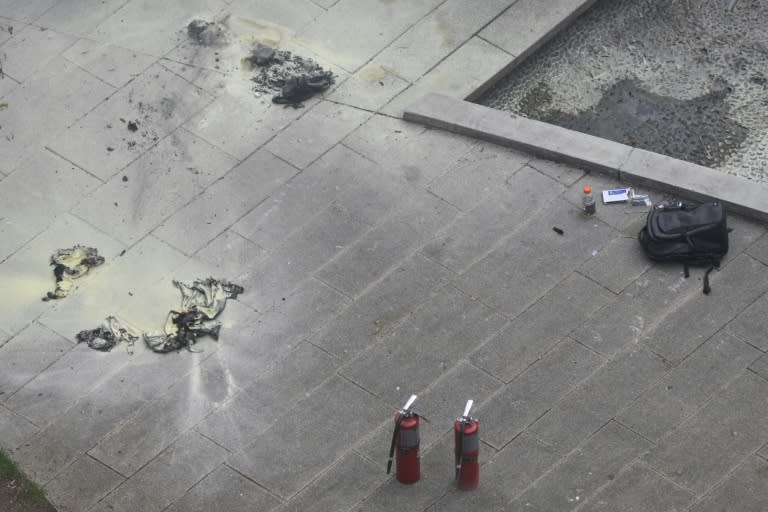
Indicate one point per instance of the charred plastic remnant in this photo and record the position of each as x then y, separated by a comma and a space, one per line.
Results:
104, 338
70, 264
293, 78
201, 302
207, 33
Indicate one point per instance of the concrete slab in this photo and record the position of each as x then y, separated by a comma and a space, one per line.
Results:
745, 486
31, 49
370, 88
751, 322
36, 103
198, 222
367, 25
150, 190
115, 65
450, 25
224, 489
315, 133
14, 430
26, 10
686, 388
462, 72
169, 476
159, 103
77, 16
81, 485
732, 425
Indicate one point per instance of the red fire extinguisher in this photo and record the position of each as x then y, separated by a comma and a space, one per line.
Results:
466, 431
405, 445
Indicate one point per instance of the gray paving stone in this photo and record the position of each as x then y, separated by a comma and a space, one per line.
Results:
743, 235
155, 28
732, 425
760, 367
368, 25
83, 425
26, 10
637, 310
745, 488
617, 265
599, 398
385, 245
752, 323
316, 132
239, 421
458, 76
484, 169
506, 210
292, 14
59, 386
541, 327
26, 354
78, 16
591, 466
196, 224
438, 406
760, 250
33, 194
31, 49
533, 260
503, 477
35, 104
14, 429
438, 463
140, 439
527, 25
258, 121
563, 173
535, 391
638, 489
735, 287
422, 153
224, 490
254, 343
325, 236
451, 23
210, 80
370, 88
167, 477
316, 433
688, 386
231, 255
160, 182
158, 100
340, 172
7, 86
432, 341
116, 66
379, 310
81, 485
351, 479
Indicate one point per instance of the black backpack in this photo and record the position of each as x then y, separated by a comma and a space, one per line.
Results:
689, 235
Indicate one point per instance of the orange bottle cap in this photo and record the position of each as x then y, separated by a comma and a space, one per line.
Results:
587, 189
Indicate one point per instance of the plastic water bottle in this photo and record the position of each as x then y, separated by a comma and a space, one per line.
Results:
588, 202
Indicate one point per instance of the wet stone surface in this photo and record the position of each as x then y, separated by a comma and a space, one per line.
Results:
685, 79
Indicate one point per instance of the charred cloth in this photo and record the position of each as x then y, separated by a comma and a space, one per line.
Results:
70, 264
291, 78
201, 302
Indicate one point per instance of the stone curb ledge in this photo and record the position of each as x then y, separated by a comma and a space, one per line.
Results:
591, 153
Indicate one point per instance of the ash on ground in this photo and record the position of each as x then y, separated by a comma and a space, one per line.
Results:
684, 78
290, 78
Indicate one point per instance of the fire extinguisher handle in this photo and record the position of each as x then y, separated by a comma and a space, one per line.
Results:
392, 444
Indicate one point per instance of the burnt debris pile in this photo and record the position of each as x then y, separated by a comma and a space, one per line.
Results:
291, 78
70, 264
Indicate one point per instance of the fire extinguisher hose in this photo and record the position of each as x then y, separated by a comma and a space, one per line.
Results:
460, 455
392, 444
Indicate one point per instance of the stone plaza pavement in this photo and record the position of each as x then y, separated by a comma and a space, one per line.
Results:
379, 258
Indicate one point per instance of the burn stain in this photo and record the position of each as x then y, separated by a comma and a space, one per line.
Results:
699, 130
